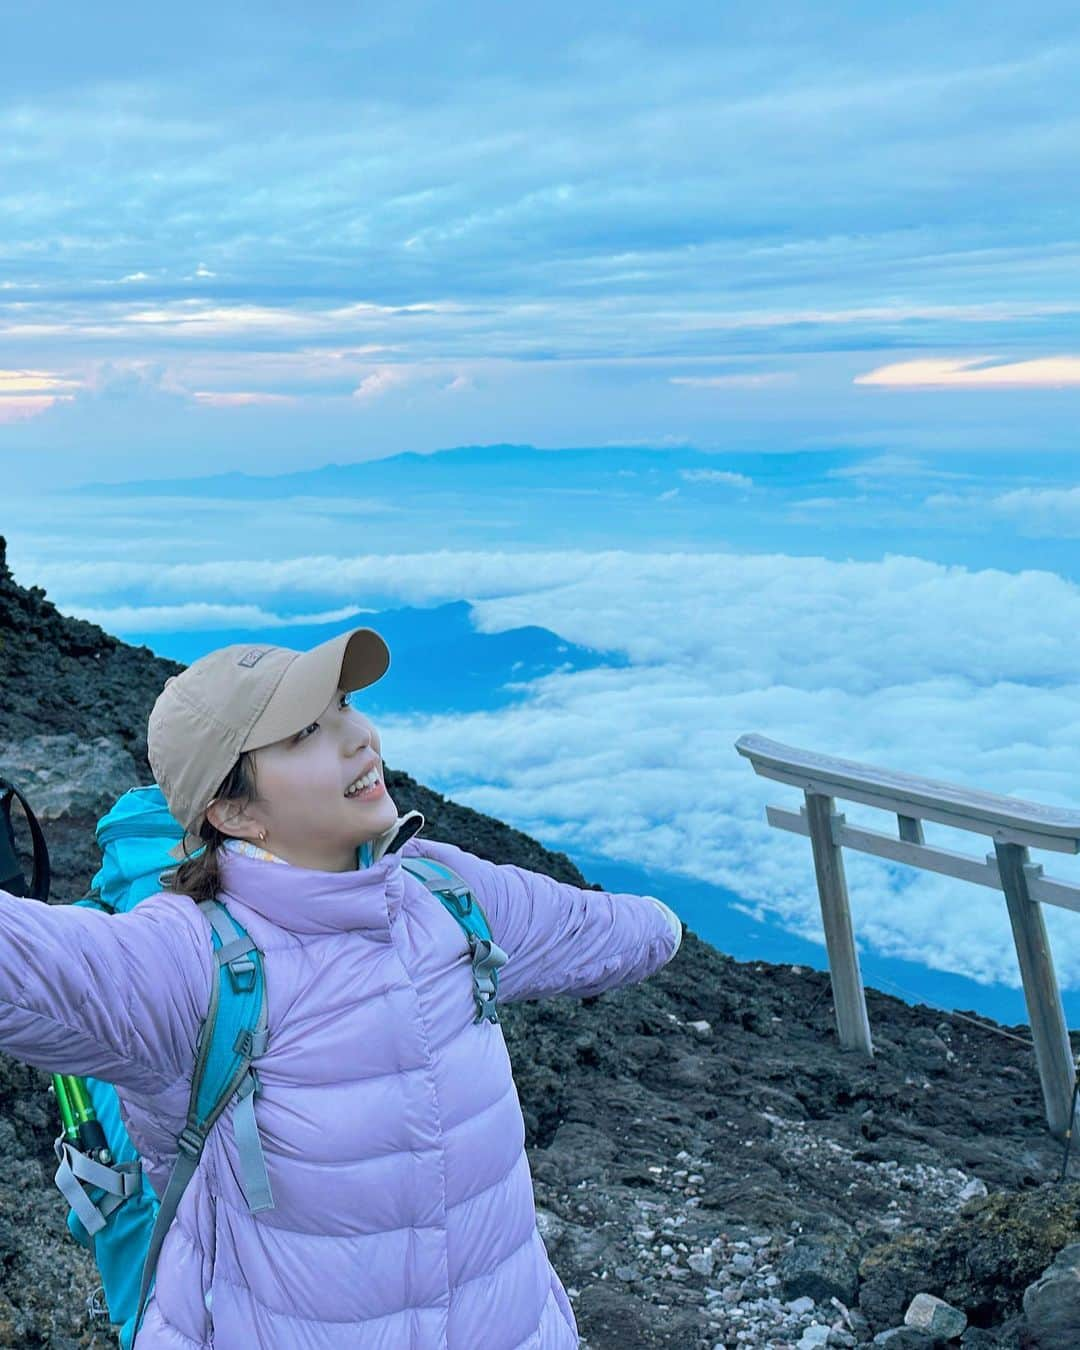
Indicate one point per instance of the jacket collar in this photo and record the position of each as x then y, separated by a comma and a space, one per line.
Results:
302, 900
402, 830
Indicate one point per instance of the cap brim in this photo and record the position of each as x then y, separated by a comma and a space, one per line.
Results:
350, 661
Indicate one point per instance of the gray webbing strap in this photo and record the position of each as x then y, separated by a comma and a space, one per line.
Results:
233, 950
215, 912
187, 1159
235, 947
253, 1175
120, 1182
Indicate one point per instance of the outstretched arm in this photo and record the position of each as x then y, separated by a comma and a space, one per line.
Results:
116, 997
561, 939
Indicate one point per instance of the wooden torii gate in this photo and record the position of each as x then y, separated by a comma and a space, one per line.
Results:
1015, 825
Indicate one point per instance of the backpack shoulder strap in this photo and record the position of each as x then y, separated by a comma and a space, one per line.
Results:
487, 955
233, 1033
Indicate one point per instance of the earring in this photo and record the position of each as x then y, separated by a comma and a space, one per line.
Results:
262, 836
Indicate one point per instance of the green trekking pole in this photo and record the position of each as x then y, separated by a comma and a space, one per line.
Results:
81, 1126
80, 1121
67, 1119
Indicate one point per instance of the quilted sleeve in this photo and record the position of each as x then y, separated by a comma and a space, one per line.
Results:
116, 997
561, 939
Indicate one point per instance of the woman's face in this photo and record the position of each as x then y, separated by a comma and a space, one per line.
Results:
303, 805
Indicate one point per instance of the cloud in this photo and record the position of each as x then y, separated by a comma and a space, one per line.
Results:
219, 398
29, 393
1050, 372
890, 466
199, 616
18, 409
716, 476
921, 676
732, 381
381, 382
16, 383
196, 319
1052, 513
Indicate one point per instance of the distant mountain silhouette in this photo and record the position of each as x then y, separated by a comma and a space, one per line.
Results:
602, 467
438, 663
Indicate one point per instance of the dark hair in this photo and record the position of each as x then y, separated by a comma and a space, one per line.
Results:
199, 875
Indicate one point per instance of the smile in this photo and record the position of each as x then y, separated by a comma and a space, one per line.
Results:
367, 787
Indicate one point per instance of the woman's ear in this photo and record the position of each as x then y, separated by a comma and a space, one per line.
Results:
231, 816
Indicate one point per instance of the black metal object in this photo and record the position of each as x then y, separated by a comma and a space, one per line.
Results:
12, 878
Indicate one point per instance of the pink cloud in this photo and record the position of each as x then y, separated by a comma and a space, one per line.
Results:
29, 393
1047, 372
21, 409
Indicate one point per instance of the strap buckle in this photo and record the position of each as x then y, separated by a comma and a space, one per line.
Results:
191, 1141
460, 897
242, 973
250, 1044
486, 1011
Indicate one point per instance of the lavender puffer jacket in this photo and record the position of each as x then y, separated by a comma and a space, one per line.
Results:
404, 1215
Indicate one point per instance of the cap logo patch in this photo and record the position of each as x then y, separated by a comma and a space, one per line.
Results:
254, 656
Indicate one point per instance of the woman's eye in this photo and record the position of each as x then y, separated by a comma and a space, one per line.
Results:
302, 735
344, 701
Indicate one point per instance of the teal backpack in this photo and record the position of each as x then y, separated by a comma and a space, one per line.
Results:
117, 1217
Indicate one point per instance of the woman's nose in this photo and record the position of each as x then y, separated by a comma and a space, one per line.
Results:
361, 737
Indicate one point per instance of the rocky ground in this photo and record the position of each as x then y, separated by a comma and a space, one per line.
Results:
711, 1169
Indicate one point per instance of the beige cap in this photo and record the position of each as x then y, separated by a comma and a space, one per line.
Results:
240, 698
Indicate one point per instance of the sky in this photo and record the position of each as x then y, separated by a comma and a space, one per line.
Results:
279, 237
786, 299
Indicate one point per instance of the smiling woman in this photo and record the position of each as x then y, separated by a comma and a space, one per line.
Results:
292, 785
313, 799
309, 810
374, 1177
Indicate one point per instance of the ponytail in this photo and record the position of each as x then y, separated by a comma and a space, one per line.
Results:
199, 875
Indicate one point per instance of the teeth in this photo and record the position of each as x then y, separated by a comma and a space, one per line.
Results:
371, 777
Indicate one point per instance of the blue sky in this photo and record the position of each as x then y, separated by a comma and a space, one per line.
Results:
350, 231
802, 281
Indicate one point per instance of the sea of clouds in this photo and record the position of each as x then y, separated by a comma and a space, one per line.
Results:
962, 675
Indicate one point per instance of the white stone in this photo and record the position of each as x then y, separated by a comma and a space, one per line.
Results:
701, 1262
933, 1315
